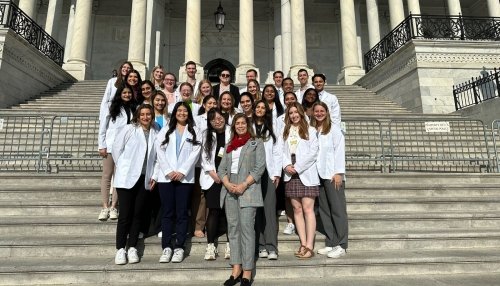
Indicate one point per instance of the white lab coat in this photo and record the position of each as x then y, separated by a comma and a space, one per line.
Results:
305, 155
208, 164
167, 156
331, 155
300, 94
333, 105
274, 154
109, 128
109, 93
129, 153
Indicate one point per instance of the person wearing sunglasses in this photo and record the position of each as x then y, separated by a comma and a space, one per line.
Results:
225, 85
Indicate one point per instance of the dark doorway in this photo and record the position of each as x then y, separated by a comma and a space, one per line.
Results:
213, 68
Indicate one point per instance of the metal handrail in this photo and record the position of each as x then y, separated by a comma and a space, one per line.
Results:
432, 27
495, 132
477, 90
14, 18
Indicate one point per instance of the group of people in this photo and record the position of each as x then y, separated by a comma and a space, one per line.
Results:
222, 156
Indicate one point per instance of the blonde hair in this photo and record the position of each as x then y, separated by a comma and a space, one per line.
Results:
198, 97
259, 94
326, 125
303, 126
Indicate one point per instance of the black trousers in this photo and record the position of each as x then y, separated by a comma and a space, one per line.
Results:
132, 205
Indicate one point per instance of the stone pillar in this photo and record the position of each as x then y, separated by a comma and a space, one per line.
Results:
278, 59
493, 8
69, 32
77, 64
137, 39
286, 37
351, 70
53, 18
299, 46
28, 7
373, 22
454, 7
397, 12
246, 42
192, 50
414, 7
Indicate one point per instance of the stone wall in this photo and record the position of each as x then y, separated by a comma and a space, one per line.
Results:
420, 76
24, 71
487, 111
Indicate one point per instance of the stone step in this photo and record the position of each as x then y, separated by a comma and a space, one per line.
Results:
90, 244
87, 222
101, 269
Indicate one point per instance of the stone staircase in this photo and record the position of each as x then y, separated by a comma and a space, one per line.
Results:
406, 227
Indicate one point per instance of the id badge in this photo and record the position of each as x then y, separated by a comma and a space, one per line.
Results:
221, 152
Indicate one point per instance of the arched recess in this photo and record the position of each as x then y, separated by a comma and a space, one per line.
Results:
213, 68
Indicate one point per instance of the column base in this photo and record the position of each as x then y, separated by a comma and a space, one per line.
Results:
80, 71
269, 79
141, 68
241, 74
350, 75
294, 70
200, 74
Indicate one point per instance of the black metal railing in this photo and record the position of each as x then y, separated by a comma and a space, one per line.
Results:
433, 27
14, 18
477, 90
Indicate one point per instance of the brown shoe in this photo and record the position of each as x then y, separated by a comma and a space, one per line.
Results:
301, 251
307, 254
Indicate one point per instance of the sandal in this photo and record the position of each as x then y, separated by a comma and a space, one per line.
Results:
307, 254
301, 251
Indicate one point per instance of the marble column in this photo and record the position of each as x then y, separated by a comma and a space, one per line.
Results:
454, 7
69, 32
413, 7
373, 22
137, 39
397, 12
53, 18
246, 42
493, 8
28, 7
77, 64
286, 37
351, 69
299, 46
192, 50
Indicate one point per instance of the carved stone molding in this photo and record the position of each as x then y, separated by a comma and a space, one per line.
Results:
458, 58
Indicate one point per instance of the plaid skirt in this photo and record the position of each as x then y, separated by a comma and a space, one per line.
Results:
295, 189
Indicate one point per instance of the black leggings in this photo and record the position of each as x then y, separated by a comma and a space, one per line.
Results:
216, 224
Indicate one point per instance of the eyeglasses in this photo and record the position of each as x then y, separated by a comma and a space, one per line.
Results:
225, 75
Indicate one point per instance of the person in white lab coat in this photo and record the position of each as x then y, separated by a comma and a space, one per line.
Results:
178, 148
300, 151
331, 169
134, 157
265, 221
111, 121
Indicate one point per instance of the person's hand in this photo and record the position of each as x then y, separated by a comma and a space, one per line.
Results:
103, 152
239, 189
152, 184
276, 181
337, 181
290, 169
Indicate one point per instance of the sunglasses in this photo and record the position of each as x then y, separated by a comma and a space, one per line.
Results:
225, 75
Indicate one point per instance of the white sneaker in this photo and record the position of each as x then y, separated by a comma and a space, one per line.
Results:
325, 250
178, 255
337, 252
263, 253
166, 255
272, 255
289, 229
211, 252
104, 214
113, 213
121, 257
132, 255
160, 234
227, 251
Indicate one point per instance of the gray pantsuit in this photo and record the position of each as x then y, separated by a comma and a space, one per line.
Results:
333, 214
241, 233
266, 224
